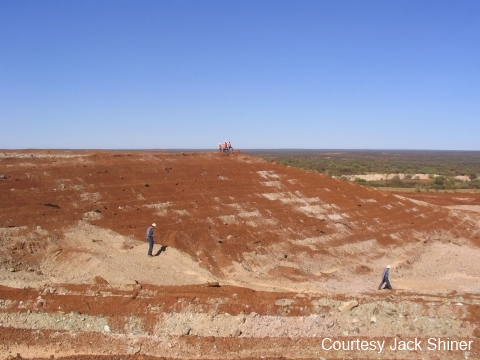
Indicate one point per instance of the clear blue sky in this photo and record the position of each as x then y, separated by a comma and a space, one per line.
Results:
325, 74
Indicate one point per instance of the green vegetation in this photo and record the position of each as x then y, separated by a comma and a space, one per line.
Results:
441, 166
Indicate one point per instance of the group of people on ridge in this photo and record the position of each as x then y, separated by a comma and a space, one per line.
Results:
225, 146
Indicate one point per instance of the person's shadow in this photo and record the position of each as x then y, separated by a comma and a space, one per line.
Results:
163, 248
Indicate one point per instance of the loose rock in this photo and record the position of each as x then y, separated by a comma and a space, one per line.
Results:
347, 306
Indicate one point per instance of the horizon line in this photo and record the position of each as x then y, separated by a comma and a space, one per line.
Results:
216, 150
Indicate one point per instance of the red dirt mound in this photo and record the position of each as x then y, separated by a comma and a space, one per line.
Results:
288, 249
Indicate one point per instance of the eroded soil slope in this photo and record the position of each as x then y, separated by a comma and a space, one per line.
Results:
287, 248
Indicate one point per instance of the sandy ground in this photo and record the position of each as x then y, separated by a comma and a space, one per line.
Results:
253, 259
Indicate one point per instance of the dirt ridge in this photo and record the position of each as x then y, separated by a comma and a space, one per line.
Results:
286, 247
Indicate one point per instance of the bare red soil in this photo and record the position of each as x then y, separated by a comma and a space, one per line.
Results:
287, 248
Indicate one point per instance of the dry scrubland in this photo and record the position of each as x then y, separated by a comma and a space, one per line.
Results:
258, 260
422, 170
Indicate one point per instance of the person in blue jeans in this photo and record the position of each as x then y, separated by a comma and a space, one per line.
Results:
150, 235
385, 279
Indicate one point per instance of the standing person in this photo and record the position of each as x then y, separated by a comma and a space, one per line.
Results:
220, 147
230, 146
385, 279
150, 236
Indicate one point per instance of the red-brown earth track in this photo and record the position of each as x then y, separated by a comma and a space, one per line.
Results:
288, 249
